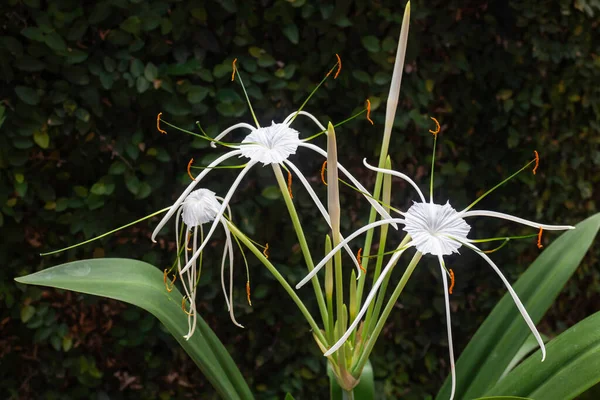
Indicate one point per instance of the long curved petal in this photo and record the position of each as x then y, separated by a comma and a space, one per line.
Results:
495, 214
191, 187
226, 199
324, 213
231, 128
515, 298
229, 246
355, 182
396, 174
309, 115
448, 326
337, 248
368, 301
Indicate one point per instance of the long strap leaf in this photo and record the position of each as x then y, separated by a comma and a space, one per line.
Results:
141, 284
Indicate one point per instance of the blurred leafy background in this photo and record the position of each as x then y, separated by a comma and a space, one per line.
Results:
82, 83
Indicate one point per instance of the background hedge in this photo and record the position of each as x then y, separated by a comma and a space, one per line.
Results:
82, 83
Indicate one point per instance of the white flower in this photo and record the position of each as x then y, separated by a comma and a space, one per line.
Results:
200, 207
267, 145
438, 230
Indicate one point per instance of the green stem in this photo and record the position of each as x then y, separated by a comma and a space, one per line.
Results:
348, 395
286, 286
364, 357
375, 306
302, 240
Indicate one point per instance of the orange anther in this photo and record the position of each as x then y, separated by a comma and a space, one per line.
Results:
248, 292
539, 242
183, 306
537, 161
437, 127
290, 184
369, 111
358, 258
323, 172
451, 281
266, 251
339, 65
172, 282
233, 69
189, 167
158, 124
187, 245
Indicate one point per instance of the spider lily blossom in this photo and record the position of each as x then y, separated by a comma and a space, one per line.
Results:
200, 207
439, 230
269, 145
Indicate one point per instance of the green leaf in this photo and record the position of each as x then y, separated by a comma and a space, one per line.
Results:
503, 398
150, 72
27, 312
132, 25
27, 95
371, 43
503, 332
55, 41
42, 139
571, 367
271, 192
291, 32
141, 284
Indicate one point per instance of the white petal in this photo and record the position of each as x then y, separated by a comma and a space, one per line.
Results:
231, 128
229, 246
390, 265
220, 213
448, 325
494, 214
190, 187
355, 182
315, 120
343, 243
324, 213
515, 298
396, 174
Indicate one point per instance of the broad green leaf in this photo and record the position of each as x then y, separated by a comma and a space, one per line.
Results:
141, 284
503, 398
28, 95
502, 334
571, 367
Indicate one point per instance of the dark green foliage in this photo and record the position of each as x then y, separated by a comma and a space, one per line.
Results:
82, 83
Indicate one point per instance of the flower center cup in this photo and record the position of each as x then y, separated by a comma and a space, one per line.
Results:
200, 207
270, 145
435, 229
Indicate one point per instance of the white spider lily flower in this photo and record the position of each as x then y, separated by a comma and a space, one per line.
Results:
198, 208
272, 145
439, 230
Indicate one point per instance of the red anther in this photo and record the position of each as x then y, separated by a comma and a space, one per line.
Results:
539, 242
451, 281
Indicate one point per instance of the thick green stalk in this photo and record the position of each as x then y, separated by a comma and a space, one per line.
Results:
302, 240
386, 199
390, 114
370, 320
364, 357
333, 207
286, 286
329, 290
